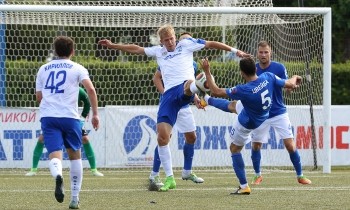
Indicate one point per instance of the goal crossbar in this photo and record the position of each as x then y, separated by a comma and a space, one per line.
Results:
325, 12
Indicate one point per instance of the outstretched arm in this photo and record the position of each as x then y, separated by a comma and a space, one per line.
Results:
130, 48
214, 89
222, 46
293, 82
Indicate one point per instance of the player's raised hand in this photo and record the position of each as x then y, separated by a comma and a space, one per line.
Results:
242, 54
205, 64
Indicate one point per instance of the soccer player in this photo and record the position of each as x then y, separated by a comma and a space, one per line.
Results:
185, 124
57, 87
278, 118
89, 152
176, 63
256, 97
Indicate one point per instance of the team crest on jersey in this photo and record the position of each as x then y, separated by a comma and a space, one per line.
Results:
164, 53
179, 48
233, 90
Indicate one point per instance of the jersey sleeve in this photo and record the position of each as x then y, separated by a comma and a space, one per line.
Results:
38, 83
233, 93
278, 81
83, 96
152, 51
84, 74
193, 44
284, 74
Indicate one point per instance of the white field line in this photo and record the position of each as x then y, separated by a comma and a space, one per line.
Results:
301, 188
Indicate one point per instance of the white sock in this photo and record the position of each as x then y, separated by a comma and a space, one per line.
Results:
206, 98
76, 176
194, 88
55, 166
243, 185
186, 172
165, 158
153, 174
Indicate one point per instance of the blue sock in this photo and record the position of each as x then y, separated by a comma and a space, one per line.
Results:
219, 103
238, 167
156, 160
188, 156
295, 158
256, 157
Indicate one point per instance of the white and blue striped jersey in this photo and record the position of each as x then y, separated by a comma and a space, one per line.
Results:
177, 66
256, 97
278, 69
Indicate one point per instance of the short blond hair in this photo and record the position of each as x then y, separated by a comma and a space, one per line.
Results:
166, 29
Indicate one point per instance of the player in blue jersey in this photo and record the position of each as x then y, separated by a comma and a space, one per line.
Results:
175, 59
185, 124
278, 118
256, 96
56, 82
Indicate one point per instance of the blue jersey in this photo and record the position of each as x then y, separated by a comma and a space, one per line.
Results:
256, 97
278, 69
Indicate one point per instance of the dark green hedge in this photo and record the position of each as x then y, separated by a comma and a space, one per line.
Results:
130, 83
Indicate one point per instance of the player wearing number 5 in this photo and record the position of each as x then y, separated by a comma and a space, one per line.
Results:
256, 97
57, 87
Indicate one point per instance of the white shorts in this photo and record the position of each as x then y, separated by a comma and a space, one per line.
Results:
185, 121
281, 125
239, 135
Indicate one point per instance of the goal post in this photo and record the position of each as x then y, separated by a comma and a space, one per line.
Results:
30, 30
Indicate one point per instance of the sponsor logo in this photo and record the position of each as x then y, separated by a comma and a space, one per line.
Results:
140, 140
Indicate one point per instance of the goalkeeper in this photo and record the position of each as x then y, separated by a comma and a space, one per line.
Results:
89, 152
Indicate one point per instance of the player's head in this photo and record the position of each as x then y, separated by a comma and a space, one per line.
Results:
167, 37
247, 66
185, 35
63, 46
264, 52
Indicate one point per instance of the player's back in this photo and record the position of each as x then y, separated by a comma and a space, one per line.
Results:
59, 81
256, 97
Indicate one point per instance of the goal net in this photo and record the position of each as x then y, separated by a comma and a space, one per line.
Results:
128, 100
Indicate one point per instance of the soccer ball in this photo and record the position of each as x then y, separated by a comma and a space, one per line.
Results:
201, 82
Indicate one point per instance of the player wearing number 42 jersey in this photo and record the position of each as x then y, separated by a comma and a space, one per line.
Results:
57, 88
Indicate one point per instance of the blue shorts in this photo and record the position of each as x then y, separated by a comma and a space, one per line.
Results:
59, 132
172, 101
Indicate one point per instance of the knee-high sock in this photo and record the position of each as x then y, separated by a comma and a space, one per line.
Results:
38, 150
165, 158
156, 162
188, 156
256, 158
238, 167
55, 166
219, 103
76, 176
89, 152
295, 158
